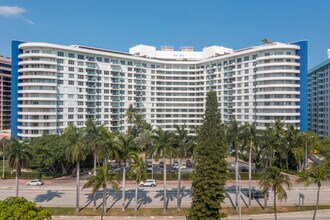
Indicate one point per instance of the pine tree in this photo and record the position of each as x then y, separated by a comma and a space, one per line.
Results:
210, 167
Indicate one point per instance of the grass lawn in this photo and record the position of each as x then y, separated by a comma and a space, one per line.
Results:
173, 211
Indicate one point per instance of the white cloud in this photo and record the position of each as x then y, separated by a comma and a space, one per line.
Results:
11, 10
14, 11
28, 21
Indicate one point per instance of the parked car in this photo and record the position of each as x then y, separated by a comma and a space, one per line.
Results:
148, 182
176, 166
161, 164
35, 183
188, 163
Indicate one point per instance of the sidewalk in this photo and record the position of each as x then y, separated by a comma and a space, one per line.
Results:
290, 215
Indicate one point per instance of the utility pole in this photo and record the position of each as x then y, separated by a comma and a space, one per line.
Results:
239, 199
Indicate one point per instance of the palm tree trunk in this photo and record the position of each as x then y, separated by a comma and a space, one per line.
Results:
16, 180
265, 202
287, 161
275, 209
94, 173
317, 200
179, 185
124, 180
146, 161
236, 179
164, 185
78, 188
136, 198
250, 175
104, 207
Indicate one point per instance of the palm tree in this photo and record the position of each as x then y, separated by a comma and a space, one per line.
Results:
4, 144
273, 180
279, 141
73, 139
102, 179
131, 114
137, 171
292, 136
234, 133
107, 148
163, 147
92, 138
314, 175
18, 156
126, 145
144, 141
251, 138
184, 143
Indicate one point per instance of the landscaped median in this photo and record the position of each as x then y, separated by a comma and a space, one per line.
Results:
228, 211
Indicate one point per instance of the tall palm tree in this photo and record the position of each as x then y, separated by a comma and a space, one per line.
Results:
234, 134
73, 139
292, 136
251, 138
102, 179
137, 171
163, 147
126, 145
273, 180
131, 114
314, 175
144, 141
107, 148
267, 147
280, 141
92, 138
18, 155
4, 144
184, 144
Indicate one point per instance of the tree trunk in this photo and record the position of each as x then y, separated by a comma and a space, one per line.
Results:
94, 173
275, 210
16, 180
104, 208
265, 202
236, 179
124, 180
146, 162
287, 161
164, 185
179, 186
250, 175
317, 200
136, 198
78, 188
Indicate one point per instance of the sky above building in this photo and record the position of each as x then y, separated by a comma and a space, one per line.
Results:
119, 25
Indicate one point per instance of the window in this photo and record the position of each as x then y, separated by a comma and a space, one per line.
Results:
60, 54
80, 70
70, 110
70, 116
59, 82
71, 55
71, 69
246, 58
80, 77
59, 60
71, 76
81, 57
71, 62
106, 60
99, 59
70, 96
71, 82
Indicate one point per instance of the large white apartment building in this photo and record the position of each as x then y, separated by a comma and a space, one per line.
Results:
61, 85
319, 98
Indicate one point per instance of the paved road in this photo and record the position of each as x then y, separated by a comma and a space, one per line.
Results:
63, 194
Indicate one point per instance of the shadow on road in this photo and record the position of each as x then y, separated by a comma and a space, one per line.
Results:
50, 195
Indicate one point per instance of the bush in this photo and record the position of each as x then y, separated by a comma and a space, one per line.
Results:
21, 208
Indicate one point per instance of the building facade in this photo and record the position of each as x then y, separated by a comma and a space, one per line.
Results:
319, 99
60, 85
5, 90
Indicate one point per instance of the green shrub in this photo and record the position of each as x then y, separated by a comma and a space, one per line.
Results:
21, 208
24, 175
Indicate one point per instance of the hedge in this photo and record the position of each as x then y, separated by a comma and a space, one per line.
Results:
24, 175
188, 176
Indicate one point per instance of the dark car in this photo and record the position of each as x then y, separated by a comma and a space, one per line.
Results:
161, 164
188, 163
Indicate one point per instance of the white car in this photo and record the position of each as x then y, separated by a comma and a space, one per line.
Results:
176, 166
35, 183
149, 182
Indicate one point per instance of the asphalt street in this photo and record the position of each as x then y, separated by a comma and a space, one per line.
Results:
63, 194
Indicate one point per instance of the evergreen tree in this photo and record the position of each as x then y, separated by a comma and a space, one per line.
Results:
210, 168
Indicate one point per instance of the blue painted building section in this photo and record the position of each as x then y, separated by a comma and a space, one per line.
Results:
303, 84
14, 87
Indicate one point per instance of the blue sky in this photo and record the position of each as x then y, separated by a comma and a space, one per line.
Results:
121, 24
